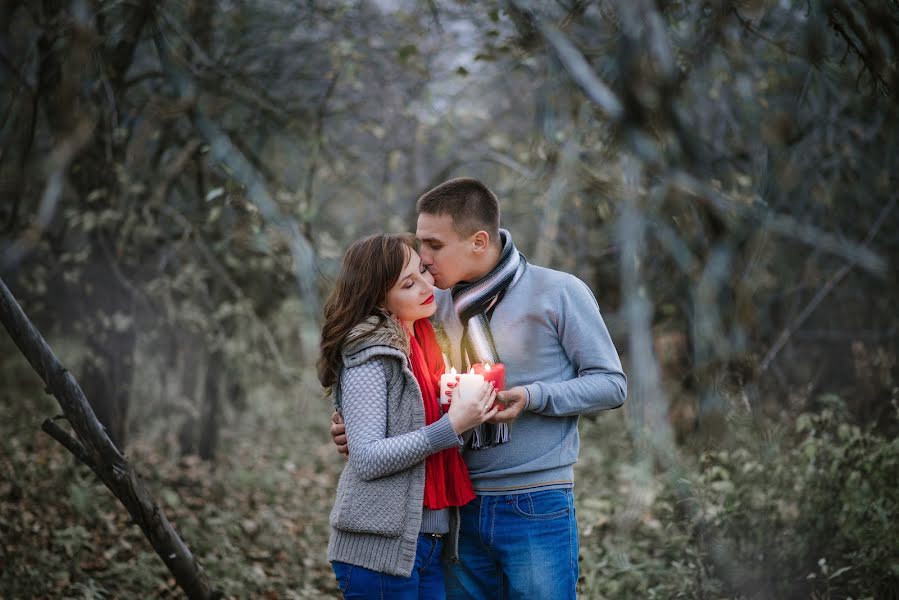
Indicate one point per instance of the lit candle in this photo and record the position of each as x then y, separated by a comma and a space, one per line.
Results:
496, 374
468, 383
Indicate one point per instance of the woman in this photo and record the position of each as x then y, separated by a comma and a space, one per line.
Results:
400, 489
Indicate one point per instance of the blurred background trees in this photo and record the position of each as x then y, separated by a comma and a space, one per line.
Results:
178, 181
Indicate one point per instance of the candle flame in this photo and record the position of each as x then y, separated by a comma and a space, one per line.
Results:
453, 371
471, 371
486, 366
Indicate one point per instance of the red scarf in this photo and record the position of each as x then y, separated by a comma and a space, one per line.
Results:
446, 477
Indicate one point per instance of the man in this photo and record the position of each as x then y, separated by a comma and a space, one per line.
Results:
518, 538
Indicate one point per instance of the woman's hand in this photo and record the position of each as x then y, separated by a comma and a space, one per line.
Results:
338, 434
471, 412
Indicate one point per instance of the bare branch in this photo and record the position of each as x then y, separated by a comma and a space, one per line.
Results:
582, 73
214, 264
60, 159
831, 283
732, 210
71, 444
576, 65
226, 153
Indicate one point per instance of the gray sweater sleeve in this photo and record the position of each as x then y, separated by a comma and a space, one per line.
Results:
600, 383
364, 410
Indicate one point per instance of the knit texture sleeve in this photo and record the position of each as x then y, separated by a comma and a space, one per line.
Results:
364, 410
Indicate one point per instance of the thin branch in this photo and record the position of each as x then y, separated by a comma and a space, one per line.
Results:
10, 68
508, 162
732, 210
71, 444
173, 170
209, 256
748, 26
831, 283
552, 203
866, 56
60, 159
576, 65
221, 78
318, 140
223, 150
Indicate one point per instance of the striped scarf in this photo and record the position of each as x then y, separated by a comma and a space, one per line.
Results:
471, 302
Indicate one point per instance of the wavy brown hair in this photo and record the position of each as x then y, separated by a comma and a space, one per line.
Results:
371, 266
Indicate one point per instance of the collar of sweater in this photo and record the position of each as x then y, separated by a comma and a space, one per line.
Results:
375, 335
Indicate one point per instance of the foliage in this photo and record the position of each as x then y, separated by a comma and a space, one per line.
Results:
809, 518
774, 513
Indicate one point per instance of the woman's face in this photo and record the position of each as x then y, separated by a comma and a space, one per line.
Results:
412, 296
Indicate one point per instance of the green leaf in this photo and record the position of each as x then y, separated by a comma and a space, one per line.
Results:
406, 52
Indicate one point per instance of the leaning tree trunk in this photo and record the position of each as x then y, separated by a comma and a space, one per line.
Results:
95, 449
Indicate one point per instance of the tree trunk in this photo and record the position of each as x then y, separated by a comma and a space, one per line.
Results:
216, 385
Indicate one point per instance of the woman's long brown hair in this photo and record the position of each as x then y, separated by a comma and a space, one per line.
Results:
371, 266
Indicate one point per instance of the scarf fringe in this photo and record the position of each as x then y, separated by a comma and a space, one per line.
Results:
489, 435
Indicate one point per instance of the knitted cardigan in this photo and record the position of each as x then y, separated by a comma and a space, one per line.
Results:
375, 523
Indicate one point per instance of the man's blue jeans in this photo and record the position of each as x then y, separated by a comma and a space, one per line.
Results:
426, 581
516, 546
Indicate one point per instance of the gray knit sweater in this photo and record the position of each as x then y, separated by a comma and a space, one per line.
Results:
551, 337
377, 514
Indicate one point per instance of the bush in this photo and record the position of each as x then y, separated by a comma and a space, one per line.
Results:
810, 515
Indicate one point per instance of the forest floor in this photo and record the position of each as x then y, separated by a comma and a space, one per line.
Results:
256, 517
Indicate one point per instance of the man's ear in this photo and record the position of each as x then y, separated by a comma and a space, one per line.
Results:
480, 241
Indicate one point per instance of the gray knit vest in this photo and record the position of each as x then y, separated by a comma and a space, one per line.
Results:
375, 524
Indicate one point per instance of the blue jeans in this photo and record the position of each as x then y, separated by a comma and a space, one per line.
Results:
426, 581
516, 546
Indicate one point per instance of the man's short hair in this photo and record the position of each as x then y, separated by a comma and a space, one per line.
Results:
469, 202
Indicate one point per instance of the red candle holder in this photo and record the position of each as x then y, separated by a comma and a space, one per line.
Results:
496, 374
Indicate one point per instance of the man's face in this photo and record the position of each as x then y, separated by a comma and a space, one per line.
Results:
444, 253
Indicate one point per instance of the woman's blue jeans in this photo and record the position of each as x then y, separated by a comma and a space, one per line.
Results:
518, 546
426, 581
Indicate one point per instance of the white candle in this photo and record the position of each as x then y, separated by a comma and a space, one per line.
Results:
469, 384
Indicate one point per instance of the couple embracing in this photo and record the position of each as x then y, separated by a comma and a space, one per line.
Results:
470, 498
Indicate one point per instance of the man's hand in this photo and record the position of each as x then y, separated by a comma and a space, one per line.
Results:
515, 401
338, 434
